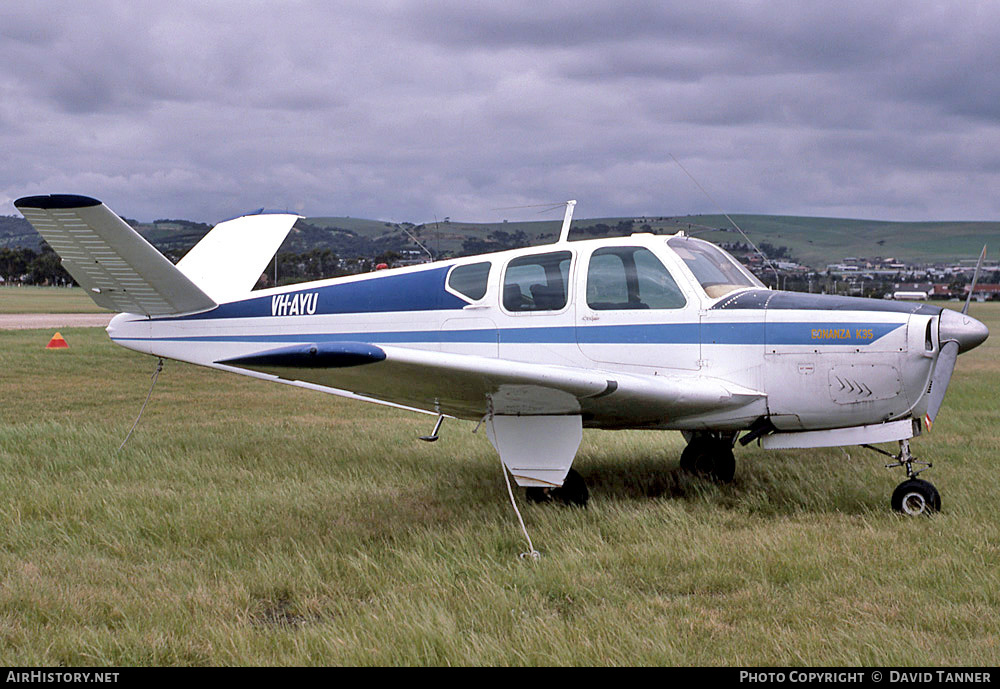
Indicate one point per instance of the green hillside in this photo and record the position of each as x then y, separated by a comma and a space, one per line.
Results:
819, 241
812, 241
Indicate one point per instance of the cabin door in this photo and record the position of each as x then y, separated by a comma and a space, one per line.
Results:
630, 310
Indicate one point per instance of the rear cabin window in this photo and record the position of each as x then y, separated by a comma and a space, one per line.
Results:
537, 283
470, 280
630, 277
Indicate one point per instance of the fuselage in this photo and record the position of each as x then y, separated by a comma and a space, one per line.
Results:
644, 305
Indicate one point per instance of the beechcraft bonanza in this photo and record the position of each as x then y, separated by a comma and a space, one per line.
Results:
645, 331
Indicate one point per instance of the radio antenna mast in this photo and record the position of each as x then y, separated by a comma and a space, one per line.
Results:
567, 219
770, 265
416, 241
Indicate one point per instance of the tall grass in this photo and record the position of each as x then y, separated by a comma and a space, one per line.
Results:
247, 523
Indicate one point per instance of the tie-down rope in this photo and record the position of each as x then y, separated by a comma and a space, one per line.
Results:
156, 374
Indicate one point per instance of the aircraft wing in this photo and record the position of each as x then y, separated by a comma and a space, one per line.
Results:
469, 386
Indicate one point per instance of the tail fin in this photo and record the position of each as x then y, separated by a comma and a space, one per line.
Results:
119, 269
227, 262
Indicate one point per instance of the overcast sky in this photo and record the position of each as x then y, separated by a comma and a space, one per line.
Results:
410, 111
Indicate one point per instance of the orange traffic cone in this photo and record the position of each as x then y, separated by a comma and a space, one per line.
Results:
57, 342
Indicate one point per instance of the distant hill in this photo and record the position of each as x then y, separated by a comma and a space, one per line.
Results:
16, 233
815, 242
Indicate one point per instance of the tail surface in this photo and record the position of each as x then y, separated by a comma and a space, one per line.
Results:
123, 272
228, 261
119, 269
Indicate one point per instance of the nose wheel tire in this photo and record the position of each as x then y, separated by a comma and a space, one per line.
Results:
916, 496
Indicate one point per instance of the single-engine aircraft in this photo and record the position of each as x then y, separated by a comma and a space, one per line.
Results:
645, 331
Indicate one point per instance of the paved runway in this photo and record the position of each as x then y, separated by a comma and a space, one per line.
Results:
29, 321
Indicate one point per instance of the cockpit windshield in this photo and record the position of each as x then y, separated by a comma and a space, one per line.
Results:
718, 272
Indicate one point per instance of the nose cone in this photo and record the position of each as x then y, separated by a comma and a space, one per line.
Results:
965, 330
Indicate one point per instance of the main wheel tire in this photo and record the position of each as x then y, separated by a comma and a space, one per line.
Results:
537, 495
916, 496
710, 458
725, 465
573, 491
692, 453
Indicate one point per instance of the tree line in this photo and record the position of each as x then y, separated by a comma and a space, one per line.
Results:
29, 267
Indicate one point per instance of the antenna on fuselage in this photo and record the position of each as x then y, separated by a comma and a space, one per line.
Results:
567, 219
731, 221
417, 241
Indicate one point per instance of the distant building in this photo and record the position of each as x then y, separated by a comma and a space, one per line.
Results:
921, 290
985, 292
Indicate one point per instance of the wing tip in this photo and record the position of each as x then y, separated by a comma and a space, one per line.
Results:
56, 201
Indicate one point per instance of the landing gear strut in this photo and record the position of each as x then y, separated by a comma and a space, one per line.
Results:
572, 492
913, 496
710, 455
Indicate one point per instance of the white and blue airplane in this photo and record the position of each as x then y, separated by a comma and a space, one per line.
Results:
645, 331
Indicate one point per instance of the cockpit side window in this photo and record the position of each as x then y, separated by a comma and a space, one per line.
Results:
630, 277
537, 282
470, 280
718, 273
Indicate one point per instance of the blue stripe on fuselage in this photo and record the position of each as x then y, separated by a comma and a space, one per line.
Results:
417, 291
804, 333
826, 333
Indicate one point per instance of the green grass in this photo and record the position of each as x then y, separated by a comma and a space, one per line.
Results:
46, 300
253, 523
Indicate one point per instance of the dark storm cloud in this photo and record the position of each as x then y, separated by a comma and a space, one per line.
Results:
410, 110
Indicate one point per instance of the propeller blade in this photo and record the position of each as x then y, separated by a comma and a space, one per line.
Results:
975, 276
943, 369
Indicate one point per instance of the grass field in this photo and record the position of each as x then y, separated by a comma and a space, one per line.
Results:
253, 523
46, 300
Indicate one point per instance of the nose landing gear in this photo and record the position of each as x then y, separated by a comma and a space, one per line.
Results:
913, 496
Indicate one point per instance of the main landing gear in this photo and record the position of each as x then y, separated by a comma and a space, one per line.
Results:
710, 455
572, 492
913, 496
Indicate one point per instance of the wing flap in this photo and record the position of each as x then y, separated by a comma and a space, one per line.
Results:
119, 269
456, 384
470, 386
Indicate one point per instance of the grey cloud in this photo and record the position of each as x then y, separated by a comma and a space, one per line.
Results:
410, 110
